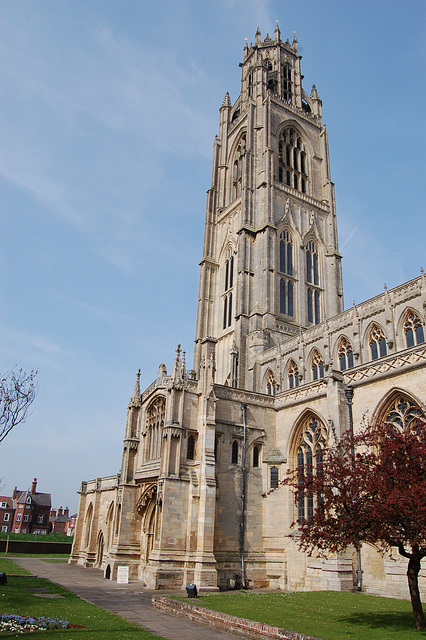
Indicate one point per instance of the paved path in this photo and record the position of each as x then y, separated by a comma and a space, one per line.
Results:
129, 601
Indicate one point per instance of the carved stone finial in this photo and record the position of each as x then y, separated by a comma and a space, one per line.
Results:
386, 287
227, 100
277, 32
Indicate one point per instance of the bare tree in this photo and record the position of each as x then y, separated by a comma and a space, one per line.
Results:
18, 390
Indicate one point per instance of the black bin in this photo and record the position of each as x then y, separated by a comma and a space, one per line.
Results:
3, 578
191, 590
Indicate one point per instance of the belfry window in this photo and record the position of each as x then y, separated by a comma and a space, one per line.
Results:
317, 365
292, 161
377, 342
237, 170
293, 375
345, 354
413, 329
309, 461
287, 89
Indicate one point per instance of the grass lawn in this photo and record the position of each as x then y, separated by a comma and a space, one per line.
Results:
42, 556
19, 596
8, 566
330, 615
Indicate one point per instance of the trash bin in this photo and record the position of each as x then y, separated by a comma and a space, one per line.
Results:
3, 578
191, 590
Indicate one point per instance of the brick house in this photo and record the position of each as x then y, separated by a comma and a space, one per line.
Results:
32, 510
7, 512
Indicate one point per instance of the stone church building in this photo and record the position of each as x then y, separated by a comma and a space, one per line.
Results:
278, 365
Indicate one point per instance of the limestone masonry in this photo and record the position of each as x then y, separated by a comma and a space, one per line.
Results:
198, 499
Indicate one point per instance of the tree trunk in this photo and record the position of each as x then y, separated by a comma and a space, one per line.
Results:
413, 585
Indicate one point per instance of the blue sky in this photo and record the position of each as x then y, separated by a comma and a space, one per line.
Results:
108, 111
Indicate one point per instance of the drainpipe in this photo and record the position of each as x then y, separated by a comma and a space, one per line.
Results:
349, 393
243, 496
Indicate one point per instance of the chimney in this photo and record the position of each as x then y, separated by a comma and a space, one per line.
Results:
59, 512
34, 485
15, 493
53, 513
66, 512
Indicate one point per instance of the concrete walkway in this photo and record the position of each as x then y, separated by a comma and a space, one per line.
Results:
129, 601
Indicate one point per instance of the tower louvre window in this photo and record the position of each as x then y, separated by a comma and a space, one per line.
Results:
286, 83
292, 160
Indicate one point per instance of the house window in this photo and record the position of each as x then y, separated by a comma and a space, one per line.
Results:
29, 500
317, 365
309, 460
345, 354
234, 458
413, 329
190, 450
4, 528
255, 456
18, 517
377, 342
6, 517
40, 519
25, 517
292, 161
3, 505
274, 477
293, 375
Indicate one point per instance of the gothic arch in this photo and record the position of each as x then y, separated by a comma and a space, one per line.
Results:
269, 382
293, 159
109, 521
315, 359
343, 346
409, 316
154, 422
297, 428
235, 166
100, 548
88, 522
292, 374
374, 341
391, 404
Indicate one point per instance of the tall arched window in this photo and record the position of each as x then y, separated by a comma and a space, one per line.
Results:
237, 170
293, 375
155, 416
413, 329
228, 286
274, 479
317, 365
271, 387
287, 87
345, 354
309, 457
234, 457
377, 342
292, 165
255, 456
286, 267
190, 449
312, 283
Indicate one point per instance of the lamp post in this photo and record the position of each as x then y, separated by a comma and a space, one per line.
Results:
349, 393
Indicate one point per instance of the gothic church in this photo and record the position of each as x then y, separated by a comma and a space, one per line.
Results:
278, 367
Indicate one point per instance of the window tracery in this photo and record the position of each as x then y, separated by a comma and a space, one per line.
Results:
312, 280
317, 365
155, 417
293, 375
401, 414
228, 286
292, 166
413, 329
237, 170
345, 354
377, 342
271, 387
309, 460
286, 285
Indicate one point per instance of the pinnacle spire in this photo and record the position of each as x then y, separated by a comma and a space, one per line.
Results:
136, 395
227, 100
277, 32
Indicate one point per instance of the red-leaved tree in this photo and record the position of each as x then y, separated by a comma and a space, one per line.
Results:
369, 488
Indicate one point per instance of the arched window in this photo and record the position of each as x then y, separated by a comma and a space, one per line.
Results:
312, 280
271, 386
317, 365
155, 416
292, 160
228, 285
309, 457
286, 253
345, 354
377, 342
255, 456
293, 375
274, 477
413, 329
234, 458
237, 171
286, 84
286, 267
401, 413
190, 449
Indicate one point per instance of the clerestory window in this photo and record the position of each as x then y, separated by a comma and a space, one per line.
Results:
271, 387
345, 354
317, 365
293, 375
377, 342
413, 329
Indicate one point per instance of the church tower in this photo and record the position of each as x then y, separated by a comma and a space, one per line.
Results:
271, 265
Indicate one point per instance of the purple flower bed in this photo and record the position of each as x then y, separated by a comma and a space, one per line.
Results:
20, 624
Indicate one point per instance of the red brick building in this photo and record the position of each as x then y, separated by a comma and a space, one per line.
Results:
7, 512
32, 510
